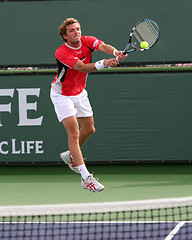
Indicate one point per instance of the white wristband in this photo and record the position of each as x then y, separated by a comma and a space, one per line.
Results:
114, 51
100, 64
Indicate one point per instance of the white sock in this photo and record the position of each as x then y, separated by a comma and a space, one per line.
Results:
84, 172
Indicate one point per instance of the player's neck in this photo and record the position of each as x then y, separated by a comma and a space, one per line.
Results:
74, 44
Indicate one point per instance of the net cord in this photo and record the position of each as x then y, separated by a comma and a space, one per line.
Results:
58, 209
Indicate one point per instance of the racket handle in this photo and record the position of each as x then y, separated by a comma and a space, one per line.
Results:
125, 50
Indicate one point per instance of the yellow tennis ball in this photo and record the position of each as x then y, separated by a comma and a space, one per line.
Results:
144, 45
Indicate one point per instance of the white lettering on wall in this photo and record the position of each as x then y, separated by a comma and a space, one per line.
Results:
21, 147
5, 107
2, 151
24, 106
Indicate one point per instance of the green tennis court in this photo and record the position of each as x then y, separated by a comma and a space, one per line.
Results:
49, 187
28, 185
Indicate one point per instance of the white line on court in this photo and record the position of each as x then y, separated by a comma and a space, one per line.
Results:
174, 231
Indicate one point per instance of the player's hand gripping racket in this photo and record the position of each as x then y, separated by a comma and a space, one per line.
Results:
143, 36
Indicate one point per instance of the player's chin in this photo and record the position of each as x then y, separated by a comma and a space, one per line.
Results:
77, 41
77, 38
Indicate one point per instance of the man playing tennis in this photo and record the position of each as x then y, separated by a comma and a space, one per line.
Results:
69, 96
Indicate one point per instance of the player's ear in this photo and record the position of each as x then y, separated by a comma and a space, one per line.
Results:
64, 37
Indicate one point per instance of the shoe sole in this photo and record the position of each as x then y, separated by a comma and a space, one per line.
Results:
94, 191
84, 187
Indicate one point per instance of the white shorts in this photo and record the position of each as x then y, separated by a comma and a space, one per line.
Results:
67, 106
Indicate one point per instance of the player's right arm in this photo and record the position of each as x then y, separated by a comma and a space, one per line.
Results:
91, 67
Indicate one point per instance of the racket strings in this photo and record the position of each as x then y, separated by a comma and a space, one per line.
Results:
144, 31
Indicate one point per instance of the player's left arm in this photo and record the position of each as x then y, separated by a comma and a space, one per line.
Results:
106, 48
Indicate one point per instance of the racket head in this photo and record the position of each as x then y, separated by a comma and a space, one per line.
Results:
145, 30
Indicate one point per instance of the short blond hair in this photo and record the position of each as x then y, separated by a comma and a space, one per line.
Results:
67, 22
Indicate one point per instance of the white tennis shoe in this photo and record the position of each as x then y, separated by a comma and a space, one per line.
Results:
92, 184
68, 159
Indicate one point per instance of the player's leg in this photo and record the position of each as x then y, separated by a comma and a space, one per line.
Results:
88, 181
74, 157
72, 128
67, 109
86, 130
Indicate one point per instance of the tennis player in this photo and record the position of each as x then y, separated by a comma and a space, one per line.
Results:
69, 96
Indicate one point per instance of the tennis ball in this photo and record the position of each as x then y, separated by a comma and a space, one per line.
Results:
144, 45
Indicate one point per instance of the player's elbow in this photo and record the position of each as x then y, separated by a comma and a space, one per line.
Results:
84, 70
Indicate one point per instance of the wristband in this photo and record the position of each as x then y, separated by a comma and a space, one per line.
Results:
99, 64
114, 51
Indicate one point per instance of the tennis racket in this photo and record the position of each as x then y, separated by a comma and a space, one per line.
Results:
145, 30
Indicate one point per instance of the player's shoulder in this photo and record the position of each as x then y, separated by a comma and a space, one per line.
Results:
90, 41
62, 49
88, 38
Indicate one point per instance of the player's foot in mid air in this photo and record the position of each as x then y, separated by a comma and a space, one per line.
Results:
92, 184
68, 159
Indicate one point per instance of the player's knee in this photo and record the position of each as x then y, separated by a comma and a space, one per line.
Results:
75, 136
92, 130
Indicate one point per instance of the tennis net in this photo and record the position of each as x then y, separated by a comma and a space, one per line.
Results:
162, 219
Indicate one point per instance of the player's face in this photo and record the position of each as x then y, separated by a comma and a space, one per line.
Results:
73, 34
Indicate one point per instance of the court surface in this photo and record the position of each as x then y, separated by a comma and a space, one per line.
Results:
28, 185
